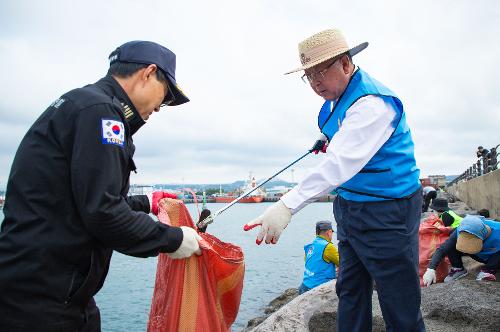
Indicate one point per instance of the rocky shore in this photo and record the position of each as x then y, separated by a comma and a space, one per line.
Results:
464, 305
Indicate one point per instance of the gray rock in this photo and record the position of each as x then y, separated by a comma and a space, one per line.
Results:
464, 305
281, 300
273, 306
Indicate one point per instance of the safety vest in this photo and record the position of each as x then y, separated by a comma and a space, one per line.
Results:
492, 244
317, 271
456, 218
392, 172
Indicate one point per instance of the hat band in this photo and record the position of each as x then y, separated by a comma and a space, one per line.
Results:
323, 52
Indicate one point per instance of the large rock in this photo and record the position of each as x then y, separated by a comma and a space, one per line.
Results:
462, 306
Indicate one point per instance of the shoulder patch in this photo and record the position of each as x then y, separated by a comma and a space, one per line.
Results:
113, 132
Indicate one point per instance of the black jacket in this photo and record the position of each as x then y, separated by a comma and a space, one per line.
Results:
66, 210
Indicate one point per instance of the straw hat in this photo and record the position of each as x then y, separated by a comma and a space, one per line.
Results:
469, 243
323, 46
471, 233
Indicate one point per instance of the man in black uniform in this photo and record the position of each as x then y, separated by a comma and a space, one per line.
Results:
66, 206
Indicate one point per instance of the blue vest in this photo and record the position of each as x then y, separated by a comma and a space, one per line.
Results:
317, 271
492, 244
392, 172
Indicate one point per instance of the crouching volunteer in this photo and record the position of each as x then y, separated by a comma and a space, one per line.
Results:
321, 258
476, 237
449, 217
67, 208
370, 162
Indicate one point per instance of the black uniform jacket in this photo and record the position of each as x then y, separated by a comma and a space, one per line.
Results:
66, 210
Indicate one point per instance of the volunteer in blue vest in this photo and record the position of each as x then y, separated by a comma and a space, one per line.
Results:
370, 163
476, 237
321, 258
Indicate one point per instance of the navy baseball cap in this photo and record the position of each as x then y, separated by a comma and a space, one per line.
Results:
324, 225
146, 52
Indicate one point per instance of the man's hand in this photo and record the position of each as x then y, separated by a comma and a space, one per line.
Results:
155, 198
189, 244
429, 277
273, 221
321, 145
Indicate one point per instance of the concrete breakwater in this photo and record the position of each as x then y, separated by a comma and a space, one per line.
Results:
482, 192
464, 305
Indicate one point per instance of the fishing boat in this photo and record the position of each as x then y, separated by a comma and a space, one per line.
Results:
255, 197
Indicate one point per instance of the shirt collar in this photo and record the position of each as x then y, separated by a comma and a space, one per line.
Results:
112, 88
323, 237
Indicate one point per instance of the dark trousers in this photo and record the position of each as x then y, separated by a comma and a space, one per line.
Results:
492, 264
427, 200
378, 241
92, 318
303, 288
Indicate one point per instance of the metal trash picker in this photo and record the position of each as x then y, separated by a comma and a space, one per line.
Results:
320, 145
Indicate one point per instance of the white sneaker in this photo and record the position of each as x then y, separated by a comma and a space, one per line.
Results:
455, 274
485, 276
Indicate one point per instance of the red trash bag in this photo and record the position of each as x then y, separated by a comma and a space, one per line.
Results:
200, 293
431, 234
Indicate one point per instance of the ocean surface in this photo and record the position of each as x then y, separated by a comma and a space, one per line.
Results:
125, 299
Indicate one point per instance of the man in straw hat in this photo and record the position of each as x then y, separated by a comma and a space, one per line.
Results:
370, 164
67, 207
476, 237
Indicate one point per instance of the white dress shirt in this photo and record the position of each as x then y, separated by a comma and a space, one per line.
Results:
427, 190
368, 124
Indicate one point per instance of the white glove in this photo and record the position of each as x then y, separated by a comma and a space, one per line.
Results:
429, 277
189, 244
273, 221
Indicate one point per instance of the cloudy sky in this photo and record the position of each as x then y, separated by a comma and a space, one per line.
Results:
440, 57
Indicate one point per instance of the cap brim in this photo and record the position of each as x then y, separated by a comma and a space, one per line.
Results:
439, 208
173, 88
353, 51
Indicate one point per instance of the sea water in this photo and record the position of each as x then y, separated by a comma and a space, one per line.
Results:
125, 298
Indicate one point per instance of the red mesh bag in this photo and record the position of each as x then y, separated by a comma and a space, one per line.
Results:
431, 234
200, 293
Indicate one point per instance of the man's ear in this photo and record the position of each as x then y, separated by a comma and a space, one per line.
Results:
149, 71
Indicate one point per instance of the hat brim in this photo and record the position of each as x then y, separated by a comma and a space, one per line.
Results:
439, 208
353, 51
174, 89
469, 243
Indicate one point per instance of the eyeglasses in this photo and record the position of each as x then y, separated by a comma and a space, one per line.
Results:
309, 78
170, 95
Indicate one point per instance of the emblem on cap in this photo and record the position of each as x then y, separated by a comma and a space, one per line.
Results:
304, 59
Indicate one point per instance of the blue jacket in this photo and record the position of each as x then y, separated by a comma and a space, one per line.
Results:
392, 172
317, 271
492, 244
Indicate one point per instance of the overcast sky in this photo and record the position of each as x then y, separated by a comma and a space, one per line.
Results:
440, 57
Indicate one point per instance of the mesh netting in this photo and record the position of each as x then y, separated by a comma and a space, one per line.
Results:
200, 293
431, 234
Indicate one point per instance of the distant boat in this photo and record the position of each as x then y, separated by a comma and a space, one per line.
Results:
255, 197
249, 199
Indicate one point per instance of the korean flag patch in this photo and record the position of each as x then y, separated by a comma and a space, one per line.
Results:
113, 132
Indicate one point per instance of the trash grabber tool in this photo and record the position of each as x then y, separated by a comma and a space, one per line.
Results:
210, 219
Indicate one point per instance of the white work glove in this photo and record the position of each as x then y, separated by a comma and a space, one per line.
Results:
189, 244
273, 221
429, 277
